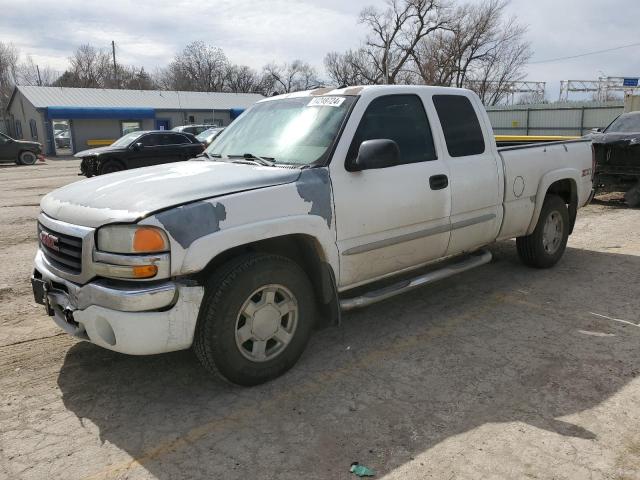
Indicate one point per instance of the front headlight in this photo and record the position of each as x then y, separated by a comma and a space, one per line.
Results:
135, 252
132, 239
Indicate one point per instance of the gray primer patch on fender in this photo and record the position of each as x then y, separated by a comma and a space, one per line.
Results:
313, 187
188, 223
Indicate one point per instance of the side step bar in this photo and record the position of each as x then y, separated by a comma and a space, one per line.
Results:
474, 260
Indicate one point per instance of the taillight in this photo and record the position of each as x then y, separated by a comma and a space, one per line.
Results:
593, 161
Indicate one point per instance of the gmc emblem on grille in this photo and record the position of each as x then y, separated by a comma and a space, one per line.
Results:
49, 241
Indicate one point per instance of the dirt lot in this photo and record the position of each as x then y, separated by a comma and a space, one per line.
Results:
502, 372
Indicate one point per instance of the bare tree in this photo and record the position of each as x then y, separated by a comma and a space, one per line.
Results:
8, 73
199, 67
135, 78
289, 77
477, 50
394, 35
242, 79
28, 73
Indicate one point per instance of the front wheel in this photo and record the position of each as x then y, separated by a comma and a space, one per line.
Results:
110, 166
27, 158
256, 318
544, 247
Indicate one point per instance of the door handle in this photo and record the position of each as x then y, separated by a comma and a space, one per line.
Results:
438, 182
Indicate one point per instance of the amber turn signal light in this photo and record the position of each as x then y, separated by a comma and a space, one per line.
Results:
144, 271
148, 239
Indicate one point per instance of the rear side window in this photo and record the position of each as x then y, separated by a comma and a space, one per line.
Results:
175, 139
400, 118
460, 125
151, 140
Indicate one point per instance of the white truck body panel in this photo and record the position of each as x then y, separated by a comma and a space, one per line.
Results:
364, 225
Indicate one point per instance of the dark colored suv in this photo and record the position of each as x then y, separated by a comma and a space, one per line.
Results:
139, 149
19, 151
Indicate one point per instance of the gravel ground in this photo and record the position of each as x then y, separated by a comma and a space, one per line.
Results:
501, 372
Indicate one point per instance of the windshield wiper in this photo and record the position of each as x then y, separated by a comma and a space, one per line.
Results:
211, 156
250, 157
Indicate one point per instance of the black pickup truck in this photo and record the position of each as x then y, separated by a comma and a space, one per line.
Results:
139, 149
617, 157
20, 151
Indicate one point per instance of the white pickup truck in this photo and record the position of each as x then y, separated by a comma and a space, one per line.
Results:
308, 204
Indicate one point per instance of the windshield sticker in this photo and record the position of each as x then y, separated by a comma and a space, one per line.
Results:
325, 102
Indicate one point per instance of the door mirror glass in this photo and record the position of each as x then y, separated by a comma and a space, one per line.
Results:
137, 146
597, 130
378, 153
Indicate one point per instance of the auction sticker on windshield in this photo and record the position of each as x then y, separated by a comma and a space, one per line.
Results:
325, 102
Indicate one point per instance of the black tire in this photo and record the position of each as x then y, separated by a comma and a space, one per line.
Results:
632, 196
227, 291
532, 250
27, 157
110, 166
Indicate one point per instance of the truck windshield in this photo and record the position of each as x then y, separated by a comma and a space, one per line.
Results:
296, 131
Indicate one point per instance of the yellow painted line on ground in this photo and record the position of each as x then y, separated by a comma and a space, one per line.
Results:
318, 383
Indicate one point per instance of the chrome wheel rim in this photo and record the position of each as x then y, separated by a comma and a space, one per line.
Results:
552, 233
266, 323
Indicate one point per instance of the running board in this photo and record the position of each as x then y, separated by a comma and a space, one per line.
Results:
474, 260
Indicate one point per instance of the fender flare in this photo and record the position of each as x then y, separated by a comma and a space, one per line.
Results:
546, 181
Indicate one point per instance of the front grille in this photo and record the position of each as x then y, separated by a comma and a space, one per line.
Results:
68, 256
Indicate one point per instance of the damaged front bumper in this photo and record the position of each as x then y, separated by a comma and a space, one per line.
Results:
128, 317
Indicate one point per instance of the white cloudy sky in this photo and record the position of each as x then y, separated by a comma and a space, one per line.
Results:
257, 32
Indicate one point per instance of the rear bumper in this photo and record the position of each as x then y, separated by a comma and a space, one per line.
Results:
133, 318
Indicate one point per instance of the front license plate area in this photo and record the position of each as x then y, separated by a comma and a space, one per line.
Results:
40, 288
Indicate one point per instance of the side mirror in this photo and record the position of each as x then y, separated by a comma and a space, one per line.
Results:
597, 130
379, 153
137, 146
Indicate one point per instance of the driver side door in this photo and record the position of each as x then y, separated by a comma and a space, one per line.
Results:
393, 218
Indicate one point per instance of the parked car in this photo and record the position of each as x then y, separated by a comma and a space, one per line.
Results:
19, 151
193, 129
617, 156
139, 149
63, 139
209, 135
309, 205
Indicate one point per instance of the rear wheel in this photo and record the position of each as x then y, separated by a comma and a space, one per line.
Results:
27, 158
545, 246
110, 166
256, 318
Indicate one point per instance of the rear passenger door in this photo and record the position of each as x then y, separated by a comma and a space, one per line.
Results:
180, 147
394, 218
474, 174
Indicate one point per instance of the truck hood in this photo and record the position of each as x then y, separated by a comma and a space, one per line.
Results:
130, 195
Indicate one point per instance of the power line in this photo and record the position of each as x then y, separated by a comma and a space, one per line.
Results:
585, 54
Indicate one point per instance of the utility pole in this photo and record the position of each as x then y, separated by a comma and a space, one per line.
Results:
39, 77
115, 65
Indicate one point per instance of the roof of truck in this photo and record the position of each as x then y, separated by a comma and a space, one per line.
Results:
357, 90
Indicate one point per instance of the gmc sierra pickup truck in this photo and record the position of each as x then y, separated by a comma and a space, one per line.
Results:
309, 204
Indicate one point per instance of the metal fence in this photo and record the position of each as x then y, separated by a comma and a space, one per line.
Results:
553, 119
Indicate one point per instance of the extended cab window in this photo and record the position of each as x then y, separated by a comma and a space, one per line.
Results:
400, 118
460, 125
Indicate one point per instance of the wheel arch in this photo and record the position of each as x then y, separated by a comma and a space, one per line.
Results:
564, 183
306, 251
